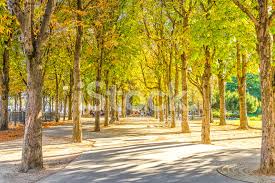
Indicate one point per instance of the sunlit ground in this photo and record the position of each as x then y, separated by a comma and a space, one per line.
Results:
136, 145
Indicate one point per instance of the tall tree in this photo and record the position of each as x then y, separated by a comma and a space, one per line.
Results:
5, 75
77, 128
262, 21
33, 40
184, 123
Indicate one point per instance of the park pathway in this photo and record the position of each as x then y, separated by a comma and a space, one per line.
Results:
138, 150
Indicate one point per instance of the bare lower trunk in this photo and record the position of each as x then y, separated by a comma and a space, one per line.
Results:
161, 118
166, 101
32, 145
113, 104
97, 112
20, 101
56, 98
123, 104
222, 101
98, 79
77, 129
241, 75
97, 104
15, 103
116, 111
4, 74
65, 107
172, 101
267, 75
107, 102
184, 121
70, 95
205, 132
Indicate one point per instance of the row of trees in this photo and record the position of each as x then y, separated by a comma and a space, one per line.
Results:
75, 49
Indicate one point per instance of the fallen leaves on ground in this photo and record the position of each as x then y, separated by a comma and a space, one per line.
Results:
13, 133
17, 131
54, 123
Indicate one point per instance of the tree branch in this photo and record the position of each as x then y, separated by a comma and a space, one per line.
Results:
246, 11
46, 19
15, 9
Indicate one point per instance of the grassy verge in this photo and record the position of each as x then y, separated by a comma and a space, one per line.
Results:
236, 122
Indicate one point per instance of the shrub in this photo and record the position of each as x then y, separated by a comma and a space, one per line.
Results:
232, 103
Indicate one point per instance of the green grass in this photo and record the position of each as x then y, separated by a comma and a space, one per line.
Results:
236, 122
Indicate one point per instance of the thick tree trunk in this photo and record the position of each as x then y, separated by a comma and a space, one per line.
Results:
184, 115
77, 129
4, 74
205, 132
56, 98
107, 101
267, 76
70, 95
241, 75
32, 145
222, 101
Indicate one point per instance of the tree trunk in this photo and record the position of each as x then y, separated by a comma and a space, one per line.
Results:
56, 98
222, 101
113, 104
20, 101
4, 74
116, 110
32, 156
172, 106
52, 102
267, 76
70, 95
107, 101
77, 129
161, 118
98, 97
65, 107
184, 121
15, 103
205, 132
176, 91
155, 107
98, 79
123, 104
166, 101
241, 75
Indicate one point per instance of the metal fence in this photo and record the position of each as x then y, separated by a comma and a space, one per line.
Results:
17, 117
